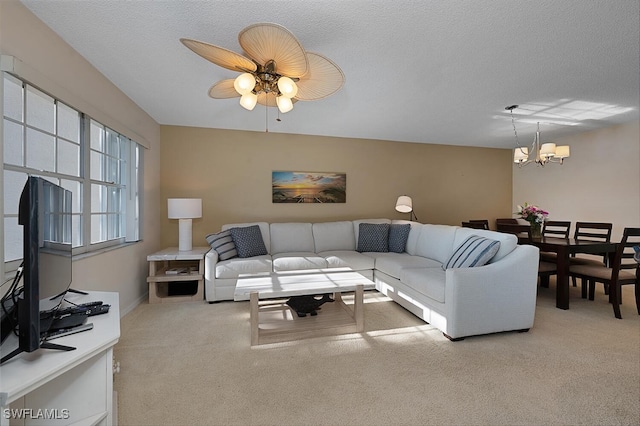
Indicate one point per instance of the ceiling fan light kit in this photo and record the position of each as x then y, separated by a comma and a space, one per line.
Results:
277, 73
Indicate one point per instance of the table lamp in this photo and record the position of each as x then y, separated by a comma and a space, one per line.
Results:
184, 209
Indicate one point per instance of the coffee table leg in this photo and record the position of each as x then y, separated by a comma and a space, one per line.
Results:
358, 308
253, 317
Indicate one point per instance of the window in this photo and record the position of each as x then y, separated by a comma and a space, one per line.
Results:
44, 137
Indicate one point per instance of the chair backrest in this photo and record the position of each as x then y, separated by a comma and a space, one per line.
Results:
556, 228
593, 231
476, 224
507, 220
624, 253
523, 232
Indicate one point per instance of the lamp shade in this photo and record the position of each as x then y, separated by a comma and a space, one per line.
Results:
249, 100
184, 208
404, 204
287, 87
548, 150
520, 154
563, 151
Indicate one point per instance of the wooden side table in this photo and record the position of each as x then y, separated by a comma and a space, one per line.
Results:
171, 266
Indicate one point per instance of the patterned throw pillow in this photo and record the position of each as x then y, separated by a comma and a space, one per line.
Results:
373, 237
223, 244
474, 251
248, 241
398, 236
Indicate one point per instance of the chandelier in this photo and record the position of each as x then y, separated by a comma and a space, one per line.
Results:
276, 71
538, 153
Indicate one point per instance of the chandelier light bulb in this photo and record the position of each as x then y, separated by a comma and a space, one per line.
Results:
287, 87
244, 84
249, 100
284, 104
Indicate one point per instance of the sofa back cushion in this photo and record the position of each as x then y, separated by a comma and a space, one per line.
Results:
264, 230
331, 236
508, 242
291, 237
436, 242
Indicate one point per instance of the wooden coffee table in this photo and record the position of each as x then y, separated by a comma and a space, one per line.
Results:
273, 321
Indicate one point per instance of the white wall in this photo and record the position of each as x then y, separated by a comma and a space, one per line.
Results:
600, 182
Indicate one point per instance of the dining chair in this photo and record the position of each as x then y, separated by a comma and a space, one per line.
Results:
523, 232
474, 225
507, 221
592, 231
556, 229
622, 271
484, 222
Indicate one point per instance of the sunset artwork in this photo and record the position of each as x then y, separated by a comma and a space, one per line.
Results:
309, 187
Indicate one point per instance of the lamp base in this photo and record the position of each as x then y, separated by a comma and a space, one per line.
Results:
184, 235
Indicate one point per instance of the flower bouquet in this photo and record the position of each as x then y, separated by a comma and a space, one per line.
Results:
535, 216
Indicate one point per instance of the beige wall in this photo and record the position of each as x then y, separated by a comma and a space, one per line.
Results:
231, 172
600, 182
49, 63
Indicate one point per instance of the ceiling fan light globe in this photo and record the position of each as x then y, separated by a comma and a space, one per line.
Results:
249, 101
284, 104
244, 83
287, 87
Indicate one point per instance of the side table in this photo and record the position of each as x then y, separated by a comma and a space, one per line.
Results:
171, 266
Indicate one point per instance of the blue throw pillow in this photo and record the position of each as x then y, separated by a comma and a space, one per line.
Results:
248, 241
223, 244
474, 251
398, 236
373, 237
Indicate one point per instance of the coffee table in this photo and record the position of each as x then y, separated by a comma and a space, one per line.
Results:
273, 321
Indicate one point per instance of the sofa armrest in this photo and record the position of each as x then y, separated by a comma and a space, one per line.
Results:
500, 296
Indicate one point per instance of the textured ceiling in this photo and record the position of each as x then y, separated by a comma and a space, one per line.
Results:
438, 71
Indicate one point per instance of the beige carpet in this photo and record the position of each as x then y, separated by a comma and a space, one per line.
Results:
191, 364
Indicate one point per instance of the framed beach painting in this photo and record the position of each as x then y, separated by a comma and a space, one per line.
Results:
308, 187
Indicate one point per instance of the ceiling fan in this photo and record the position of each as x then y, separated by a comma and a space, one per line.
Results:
277, 72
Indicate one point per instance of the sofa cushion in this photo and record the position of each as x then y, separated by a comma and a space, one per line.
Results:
334, 236
291, 237
398, 235
373, 237
223, 244
233, 268
474, 251
508, 242
348, 259
264, 230
428, 281
392, 263
297, 261
248, 241
436, 242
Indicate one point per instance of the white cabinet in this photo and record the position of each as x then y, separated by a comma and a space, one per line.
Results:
49, 387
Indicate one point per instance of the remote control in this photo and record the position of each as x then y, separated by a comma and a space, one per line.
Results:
67, 331
97, 310
89, 304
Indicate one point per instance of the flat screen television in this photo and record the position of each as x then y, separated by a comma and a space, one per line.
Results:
45, 213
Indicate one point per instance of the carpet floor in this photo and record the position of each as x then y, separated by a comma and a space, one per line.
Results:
192, 364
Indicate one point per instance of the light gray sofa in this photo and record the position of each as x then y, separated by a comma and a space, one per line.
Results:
499, 296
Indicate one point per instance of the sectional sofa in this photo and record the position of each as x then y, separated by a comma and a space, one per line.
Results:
462, 281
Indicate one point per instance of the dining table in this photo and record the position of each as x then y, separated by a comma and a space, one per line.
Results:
564, 249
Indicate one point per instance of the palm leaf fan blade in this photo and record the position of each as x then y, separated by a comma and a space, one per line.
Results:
220, 56
223, 89
266, 42
323, 79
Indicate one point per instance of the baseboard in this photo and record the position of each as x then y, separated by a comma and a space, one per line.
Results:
134, 305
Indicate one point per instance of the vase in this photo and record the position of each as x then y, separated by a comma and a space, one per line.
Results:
536, 230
